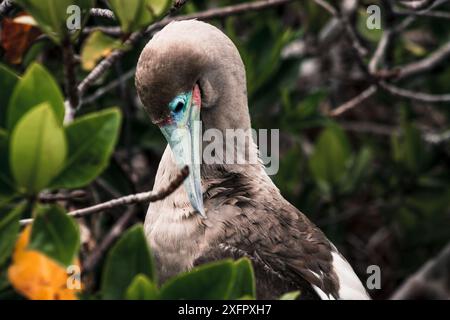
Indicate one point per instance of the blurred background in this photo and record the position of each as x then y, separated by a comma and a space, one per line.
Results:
365, 146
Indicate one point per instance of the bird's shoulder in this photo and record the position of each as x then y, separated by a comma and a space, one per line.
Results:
258, 220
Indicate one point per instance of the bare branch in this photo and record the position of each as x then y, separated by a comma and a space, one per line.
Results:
102, 13
5, 6
384, 130
432, 281
70, 81
437, 138
150, 196
426, 64
110, 86
409, 20
328, 7
231, 10
50, 197
106, 63
368, 127
94, 258
114, 31
415, 4
431, 14
109, 14
344, 19
377, 58
177, 5
380, 52
414, 95
370, 91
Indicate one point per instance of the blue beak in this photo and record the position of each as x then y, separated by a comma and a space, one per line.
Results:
184, 137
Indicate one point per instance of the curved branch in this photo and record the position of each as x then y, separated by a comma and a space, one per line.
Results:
150, 196
432, 281
106, 63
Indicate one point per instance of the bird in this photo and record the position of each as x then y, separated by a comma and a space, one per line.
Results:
191, 72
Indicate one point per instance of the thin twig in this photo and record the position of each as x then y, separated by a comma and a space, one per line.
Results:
70, 81
432, 281
106, 63
50, 197
414, 95
426, 64
110, 86
409, 20
408, 70
328, 7
114, 31
430, 14
102, 13
352, 103
415, 4
384, 130
356, 43
437, 138
344, 19
94, 258
380, 52
150, 196
5, 6
231, 10
177, 5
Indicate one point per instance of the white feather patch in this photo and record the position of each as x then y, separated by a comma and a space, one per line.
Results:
322, 294
350, 287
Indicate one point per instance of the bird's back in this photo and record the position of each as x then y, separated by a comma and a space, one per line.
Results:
247, 216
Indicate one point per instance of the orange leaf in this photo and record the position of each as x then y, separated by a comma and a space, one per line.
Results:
16, 38
36, 276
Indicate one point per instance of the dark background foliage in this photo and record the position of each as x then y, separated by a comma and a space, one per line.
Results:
375, 178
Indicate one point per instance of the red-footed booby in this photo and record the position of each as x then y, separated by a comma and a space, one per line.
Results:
190, 71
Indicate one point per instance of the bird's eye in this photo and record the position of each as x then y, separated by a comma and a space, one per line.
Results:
178, 104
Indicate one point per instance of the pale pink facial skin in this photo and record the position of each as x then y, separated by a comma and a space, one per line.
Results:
196, 96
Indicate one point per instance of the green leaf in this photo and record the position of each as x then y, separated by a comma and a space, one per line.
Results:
142, 288
244, 281
137, 14
208, 282
6, 181
151, 10
55, 234
53, 15
414, 150
158, 7
290, 295
97, 46
129, 257
37, 149
36, 86
332, 152
408, 149
359, 169
373, 35
8, 80
9, 228
91, 142
308, 106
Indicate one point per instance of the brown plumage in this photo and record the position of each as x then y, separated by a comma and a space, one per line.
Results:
246, 213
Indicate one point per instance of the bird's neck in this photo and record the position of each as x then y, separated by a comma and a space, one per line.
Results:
211, 173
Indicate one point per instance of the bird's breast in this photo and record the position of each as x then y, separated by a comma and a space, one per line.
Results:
176, 243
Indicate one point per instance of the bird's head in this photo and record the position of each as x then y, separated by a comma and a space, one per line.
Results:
186, 75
